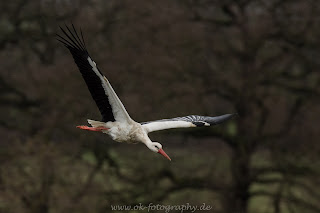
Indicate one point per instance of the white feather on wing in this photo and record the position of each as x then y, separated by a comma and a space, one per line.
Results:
119, 111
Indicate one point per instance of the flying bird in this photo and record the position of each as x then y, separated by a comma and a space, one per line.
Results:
116, 121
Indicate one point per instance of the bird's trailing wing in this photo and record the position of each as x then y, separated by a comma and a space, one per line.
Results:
185, 122
101, 91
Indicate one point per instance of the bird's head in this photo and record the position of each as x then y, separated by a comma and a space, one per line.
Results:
157, 147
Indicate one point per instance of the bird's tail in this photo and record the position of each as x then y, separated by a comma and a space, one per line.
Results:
96, 123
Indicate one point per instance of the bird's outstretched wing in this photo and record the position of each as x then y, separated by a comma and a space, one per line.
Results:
101, 91
184, 122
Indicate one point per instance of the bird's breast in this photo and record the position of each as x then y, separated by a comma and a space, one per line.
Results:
125, 133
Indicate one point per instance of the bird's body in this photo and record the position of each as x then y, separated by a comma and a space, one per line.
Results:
116, 122
129, 132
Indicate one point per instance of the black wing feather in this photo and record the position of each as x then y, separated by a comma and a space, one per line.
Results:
80, 55
199, 120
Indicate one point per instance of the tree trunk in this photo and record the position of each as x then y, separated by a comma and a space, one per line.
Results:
239, 194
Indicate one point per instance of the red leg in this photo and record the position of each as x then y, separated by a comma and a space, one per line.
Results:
96, 129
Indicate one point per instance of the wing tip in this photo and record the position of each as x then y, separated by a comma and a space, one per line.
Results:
71, 39
233, 115
222, 118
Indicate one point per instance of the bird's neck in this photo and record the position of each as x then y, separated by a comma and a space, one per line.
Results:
147, 141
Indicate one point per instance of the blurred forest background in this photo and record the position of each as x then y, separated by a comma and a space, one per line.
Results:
168, 58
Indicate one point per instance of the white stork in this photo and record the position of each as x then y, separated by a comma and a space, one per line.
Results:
116, 122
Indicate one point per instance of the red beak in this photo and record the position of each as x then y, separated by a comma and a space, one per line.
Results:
164, 154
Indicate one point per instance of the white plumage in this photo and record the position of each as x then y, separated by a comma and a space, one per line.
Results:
116, 121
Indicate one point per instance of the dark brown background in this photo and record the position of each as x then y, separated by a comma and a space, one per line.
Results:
165, 58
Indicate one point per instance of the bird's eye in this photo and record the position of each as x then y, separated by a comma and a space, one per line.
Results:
156, 146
